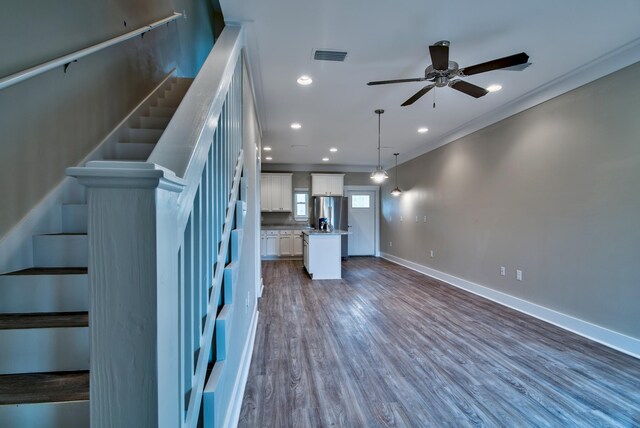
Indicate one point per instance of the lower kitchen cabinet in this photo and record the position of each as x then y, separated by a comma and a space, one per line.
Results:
281, 243
272, 244
297, 243
285, 243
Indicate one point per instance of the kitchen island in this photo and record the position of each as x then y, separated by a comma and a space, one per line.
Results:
321, 252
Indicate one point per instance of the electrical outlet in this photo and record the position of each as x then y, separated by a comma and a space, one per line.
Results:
518, 274
425, 219
390, 244
431, 253
416, 219
503, 271
401, 218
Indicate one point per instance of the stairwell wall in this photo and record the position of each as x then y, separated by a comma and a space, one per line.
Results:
54, 120
552, 191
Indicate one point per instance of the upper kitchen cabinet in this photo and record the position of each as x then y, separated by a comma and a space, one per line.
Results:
327, 184
275, 192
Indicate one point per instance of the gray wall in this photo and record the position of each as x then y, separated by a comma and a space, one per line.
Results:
54, 120
303, 180
553, 191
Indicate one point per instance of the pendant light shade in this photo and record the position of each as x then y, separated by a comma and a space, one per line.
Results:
379, 174
396, 190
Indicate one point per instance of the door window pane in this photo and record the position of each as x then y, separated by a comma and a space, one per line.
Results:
360, 201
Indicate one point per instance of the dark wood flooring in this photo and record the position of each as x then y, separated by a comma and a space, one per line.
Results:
387, 346
44, 387
44, 320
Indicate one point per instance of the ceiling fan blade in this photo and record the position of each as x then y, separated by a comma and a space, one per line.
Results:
468, 88
385, 82
439, 56
417, 95
496, 64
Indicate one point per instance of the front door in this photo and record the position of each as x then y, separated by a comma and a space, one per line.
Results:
362, 222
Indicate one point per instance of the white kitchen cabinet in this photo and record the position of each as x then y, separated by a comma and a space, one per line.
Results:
286, 243
265, 192
276, 192
305, 251
327, 184
263, 244
322, 255
272, 244
296, 248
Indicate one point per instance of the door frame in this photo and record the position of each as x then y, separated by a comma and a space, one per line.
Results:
376, 212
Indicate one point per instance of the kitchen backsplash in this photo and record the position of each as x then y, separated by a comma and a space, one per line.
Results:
281, 219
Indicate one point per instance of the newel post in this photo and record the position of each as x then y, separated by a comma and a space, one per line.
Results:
134, 296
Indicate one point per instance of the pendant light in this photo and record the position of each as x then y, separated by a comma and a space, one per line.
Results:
379, 174
396, 191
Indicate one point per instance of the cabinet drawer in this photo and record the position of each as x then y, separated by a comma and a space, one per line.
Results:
271, 232
285, 232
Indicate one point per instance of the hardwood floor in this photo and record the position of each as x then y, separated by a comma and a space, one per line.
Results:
387, 346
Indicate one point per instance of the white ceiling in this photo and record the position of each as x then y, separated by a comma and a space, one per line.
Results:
389, 40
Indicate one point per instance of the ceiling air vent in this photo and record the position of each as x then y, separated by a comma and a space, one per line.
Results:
329, 55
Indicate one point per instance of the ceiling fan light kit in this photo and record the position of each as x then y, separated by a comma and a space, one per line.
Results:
447, 73
379, 174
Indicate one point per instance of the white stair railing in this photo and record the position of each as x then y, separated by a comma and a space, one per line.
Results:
159, 243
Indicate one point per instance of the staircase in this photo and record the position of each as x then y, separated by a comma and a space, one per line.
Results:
44, 342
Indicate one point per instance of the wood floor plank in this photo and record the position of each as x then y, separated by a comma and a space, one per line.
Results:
44, 320
389, 347
44, 387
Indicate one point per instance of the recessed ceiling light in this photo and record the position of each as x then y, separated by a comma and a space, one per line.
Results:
304, 80
266, 148
333, 149
423, 130
325, 159
494, 88
296, 125
268, 158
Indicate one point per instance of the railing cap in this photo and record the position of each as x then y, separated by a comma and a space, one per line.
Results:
126, 175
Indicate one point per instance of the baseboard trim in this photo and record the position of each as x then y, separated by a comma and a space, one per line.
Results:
604, 336
233, 412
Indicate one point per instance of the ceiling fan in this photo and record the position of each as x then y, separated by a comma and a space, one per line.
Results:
443, 72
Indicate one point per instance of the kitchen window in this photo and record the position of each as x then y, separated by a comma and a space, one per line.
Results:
301, 204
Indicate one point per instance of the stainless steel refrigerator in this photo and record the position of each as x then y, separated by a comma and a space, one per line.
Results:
334, 209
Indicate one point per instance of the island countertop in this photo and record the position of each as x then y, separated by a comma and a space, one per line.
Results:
322, 232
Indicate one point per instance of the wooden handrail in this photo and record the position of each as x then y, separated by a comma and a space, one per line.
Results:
67, 59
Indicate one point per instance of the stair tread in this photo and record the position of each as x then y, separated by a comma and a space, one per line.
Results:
63, 234
44, 387
43, 320
50, 271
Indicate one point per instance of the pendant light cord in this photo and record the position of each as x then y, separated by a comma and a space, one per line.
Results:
379, 166
396, 155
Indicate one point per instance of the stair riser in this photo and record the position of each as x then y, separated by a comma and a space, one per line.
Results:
154, 122
43, 293
73, 414
137, 135
60, 250
44, 350
171, 101
161, 111
74, 218
134, 151
74, 193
